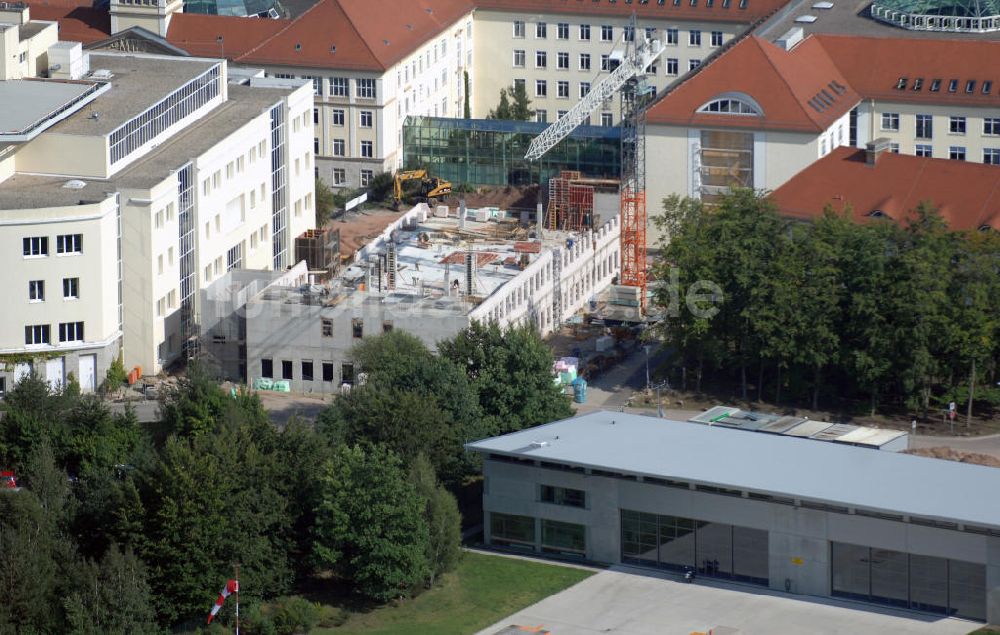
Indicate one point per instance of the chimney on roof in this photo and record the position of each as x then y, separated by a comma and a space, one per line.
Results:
873, 149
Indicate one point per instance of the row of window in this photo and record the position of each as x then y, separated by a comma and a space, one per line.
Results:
584, 62
365, 117
607, 33
340, 177
364, 88
38, 246
366, 149
308, 370
556, 537
70, 286
563, 86
925, 125
38, 334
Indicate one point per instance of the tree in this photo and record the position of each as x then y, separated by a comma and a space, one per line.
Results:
116, 375
27, 566
444, 522
380, 187
197, 405
466, 109
520, 108
324, 202
511, 372
412, 401
502, 111
370, 526
116, 598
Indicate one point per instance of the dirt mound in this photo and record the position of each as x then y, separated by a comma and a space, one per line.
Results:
506, 197
954, 455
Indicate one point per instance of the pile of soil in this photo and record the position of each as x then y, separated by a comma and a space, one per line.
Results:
504, 197
954, 455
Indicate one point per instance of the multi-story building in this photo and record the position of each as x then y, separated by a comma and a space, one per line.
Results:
763, 112
128, 182
428, 275
370, 64
559, 49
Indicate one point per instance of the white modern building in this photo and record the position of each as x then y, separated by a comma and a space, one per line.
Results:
428, 274
127, 182
792, 514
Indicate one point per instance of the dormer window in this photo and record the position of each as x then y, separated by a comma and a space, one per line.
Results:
733, 104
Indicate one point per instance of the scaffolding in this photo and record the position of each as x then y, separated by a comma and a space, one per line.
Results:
571, 202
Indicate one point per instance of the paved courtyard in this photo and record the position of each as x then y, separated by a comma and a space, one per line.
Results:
627, 601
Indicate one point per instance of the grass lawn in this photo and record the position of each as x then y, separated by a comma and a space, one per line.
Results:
480, 592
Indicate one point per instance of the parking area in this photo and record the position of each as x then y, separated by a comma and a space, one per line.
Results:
628, 601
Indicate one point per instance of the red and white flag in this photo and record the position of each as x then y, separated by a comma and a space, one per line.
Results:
232, 586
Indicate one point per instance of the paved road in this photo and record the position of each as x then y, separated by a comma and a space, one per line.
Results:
989, 444
629, 601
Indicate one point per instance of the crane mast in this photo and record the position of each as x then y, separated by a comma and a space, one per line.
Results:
626, 81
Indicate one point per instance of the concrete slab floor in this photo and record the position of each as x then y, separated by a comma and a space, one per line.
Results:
628, 601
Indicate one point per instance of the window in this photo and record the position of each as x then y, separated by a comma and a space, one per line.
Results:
367, 149
562, 61
584, 89
508, 530
925, 127
673, 36
518, 58
956, 125
585, 32
267, 368
562, 496
541, 88
694, 37
541, 59
36, 290
991, 126
338, 87
890, 121
956, 153
327, 371
731, 106
286, 369
991, 156
562, 90
69, 243
716, 38
541, 32
337, 117
693, 64
541, 115
387, 326
36, 246
339, 147
607, 33
326, 327
365, 88
71, 288
357, 328
36, 334
952, 85
606, 119
562, 31
315, 151
315, 121
924, 150
347, 373
894, 148
605, 62
563, 538
518, 28
339, 175
307, 370
366, 177
672, 66
234, 257
366, 119
628, 33
71, 332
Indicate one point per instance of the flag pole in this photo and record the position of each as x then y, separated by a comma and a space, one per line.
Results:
237, 598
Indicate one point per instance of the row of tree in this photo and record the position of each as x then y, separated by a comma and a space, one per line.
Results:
122, 528
893, 315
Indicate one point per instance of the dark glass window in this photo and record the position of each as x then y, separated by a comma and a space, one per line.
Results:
511, 530
563, 538
563, 496
286, 369
267, 368
327, 371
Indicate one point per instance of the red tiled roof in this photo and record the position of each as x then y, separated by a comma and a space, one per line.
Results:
77, 23
219, 35
966, 194
798, 90
874, 66
344, 34
702, 10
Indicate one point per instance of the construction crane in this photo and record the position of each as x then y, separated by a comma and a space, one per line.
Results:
625, 80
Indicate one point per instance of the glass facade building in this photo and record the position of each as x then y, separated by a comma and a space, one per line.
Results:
491, 151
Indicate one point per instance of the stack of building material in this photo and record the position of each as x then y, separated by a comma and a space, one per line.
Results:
566, 369
571, 204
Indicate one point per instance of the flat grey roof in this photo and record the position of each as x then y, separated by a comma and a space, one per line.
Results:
780, 465
27, 103
137, 84
849, 17
23, 191
243, 105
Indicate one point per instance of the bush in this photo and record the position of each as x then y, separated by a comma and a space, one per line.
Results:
285, 616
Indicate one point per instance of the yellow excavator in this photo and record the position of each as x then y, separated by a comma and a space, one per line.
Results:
431, 187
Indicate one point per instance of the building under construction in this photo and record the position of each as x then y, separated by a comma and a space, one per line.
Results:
430, 273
